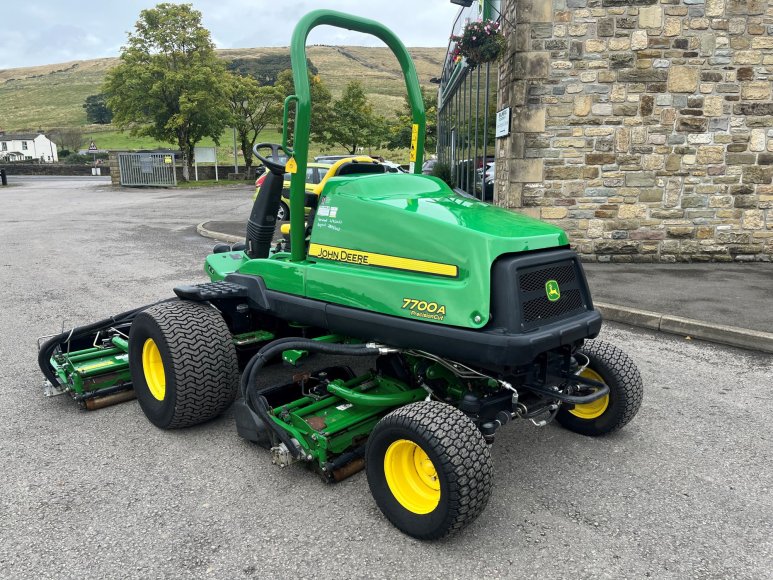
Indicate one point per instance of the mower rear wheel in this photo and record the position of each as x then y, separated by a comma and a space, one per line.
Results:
611, 366
429, 469
183, 363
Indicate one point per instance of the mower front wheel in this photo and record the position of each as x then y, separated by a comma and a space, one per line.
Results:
429, 469
183, 363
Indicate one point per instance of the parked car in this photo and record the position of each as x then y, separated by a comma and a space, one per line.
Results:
331, 158
315, 172
489, 174
392, 167
470, 174
429, 166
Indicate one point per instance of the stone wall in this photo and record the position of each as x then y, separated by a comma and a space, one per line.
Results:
642, 127
48, 169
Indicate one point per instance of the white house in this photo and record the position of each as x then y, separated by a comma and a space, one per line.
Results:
26, 146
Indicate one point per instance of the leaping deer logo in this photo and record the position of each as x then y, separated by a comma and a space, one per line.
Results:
552, 290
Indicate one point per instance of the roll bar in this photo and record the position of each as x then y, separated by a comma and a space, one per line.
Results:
302, 100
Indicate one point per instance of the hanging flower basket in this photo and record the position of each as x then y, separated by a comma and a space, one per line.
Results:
479, 43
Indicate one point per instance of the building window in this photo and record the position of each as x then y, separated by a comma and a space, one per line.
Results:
5, 146
24, 145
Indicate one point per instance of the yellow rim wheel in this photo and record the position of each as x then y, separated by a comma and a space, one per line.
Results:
154, 369
597, 407
411, 477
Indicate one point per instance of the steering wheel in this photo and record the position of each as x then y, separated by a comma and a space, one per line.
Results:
274, 165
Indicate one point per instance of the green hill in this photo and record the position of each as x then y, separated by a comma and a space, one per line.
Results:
52, 96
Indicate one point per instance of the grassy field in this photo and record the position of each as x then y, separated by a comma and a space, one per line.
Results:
105, 137
52, 96
47, 97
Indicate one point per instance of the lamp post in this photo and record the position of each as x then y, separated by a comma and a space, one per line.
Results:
236, 163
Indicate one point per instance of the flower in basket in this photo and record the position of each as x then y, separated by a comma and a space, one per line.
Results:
479, 43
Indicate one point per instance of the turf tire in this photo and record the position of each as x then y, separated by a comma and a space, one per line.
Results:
199, 359
461, 458
626, 390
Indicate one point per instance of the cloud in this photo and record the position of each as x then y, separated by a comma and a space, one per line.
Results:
51, 31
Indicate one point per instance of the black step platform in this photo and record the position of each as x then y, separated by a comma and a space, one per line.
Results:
211, 291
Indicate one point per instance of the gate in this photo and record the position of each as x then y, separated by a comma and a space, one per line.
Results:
147, 169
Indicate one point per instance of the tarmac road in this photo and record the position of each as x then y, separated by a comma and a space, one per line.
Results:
685, 491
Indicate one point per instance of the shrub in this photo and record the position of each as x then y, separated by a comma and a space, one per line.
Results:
443, 171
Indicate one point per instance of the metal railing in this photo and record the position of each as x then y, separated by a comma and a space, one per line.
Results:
466, 116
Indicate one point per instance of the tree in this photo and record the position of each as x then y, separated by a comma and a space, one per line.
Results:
70, 138
252, 108
97, 110
266, 68
353, 123
377, 133
400, 129
170, 85
321, 100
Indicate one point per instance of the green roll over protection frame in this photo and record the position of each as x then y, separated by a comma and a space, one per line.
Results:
302, 99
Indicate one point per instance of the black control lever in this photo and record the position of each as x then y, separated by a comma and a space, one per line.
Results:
262, 222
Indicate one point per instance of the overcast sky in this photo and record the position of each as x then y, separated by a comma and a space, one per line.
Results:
51, 31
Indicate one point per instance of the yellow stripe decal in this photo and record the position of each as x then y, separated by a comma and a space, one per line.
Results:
371, 259
107, 363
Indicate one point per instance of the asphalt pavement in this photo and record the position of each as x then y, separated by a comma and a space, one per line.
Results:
728, 303
684, 491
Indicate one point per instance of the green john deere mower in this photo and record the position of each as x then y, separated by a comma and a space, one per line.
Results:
473, 316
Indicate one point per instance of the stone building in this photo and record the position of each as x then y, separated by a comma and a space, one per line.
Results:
642, 127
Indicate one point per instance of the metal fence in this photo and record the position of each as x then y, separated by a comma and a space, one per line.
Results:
147, 169
467, 113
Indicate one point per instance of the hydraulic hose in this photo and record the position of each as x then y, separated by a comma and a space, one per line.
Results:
261, 355
252, 393
272, 349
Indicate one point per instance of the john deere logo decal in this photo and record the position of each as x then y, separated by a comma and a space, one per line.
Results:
552, 290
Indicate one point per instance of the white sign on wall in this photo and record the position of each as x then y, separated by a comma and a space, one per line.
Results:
503, 122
